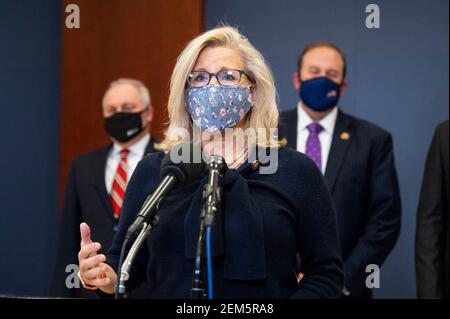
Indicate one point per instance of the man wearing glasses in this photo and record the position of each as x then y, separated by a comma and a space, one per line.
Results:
98, 179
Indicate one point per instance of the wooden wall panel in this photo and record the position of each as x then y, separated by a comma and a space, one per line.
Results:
118, 38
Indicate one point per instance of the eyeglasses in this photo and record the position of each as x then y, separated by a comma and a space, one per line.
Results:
230, 77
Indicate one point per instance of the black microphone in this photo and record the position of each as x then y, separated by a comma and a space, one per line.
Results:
212, 192
175, 172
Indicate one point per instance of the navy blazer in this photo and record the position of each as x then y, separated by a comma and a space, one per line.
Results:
264, 220
85, 200
361, 175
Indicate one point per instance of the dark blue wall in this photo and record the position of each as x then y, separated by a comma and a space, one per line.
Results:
29, 138
398, 79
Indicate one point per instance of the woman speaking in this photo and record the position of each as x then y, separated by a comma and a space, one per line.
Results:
221, 84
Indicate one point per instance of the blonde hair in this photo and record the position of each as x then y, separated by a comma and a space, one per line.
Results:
140, 86
264, 113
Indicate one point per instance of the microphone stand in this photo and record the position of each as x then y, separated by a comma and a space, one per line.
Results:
197, 291
212, 194
125, 267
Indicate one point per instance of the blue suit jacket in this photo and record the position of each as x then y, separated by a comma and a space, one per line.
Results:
363, 181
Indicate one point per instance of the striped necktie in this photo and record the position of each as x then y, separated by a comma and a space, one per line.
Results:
119, 184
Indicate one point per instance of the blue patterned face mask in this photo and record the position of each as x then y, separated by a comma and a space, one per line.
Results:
214, 108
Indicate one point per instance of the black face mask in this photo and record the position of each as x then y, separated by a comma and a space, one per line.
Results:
124, 126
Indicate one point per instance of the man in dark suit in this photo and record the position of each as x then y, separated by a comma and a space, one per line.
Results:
357, 160
432, 230
97, 180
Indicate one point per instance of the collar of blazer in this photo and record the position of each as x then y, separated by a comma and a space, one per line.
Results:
342, 137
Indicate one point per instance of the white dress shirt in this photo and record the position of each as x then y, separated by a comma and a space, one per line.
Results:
325, 136
136, 153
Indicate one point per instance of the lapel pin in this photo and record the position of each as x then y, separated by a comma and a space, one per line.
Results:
345, 136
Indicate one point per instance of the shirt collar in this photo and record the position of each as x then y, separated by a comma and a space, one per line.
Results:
137, 148
328, 122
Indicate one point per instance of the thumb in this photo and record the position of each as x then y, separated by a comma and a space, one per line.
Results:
85, 232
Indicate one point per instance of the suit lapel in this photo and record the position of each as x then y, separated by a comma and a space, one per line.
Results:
342, 137
99, 181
